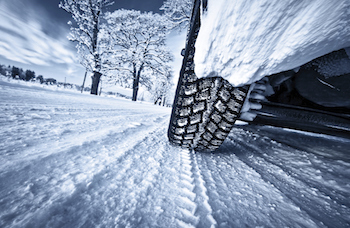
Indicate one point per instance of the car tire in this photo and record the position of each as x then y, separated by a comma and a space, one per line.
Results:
204, 113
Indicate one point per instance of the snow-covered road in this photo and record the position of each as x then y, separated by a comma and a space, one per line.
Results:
73, 160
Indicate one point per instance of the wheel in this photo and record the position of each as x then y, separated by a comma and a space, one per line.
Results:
204, 110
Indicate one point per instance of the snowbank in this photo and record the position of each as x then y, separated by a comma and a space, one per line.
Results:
244, 40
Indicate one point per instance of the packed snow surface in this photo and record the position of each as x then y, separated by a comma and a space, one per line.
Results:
245, 40
76, 160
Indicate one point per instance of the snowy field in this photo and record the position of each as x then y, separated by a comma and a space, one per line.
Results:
75, 160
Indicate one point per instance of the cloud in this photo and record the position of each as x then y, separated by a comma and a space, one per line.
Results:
26, 38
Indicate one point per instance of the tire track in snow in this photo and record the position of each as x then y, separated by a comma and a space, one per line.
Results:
204, 210
257, 156
232, 196
250, 200
217, 189
71, 137
318, 167
196, 210
144, 188
66, 173
187, 197
240, 197
73, 134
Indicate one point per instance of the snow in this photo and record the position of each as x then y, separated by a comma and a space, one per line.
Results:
244, 41
76, 160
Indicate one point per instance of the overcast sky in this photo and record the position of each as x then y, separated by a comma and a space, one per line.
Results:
34, 36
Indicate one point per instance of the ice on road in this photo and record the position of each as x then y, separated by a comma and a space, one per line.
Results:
76, 160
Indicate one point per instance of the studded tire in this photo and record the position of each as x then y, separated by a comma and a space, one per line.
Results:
205, 112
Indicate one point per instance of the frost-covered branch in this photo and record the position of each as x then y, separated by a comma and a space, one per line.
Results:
136, 41
178, 12
86, 32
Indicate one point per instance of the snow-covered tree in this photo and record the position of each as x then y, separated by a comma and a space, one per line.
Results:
178, 12
86, 31
29, 75
161, 90
40, 79
18, 73
2, 69
136, 42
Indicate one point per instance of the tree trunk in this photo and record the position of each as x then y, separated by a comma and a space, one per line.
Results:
163, 100
97, 75
156, 101
135, 86
95, 81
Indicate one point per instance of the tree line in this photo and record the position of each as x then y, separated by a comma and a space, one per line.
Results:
19, 73
126, 47
30, 76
